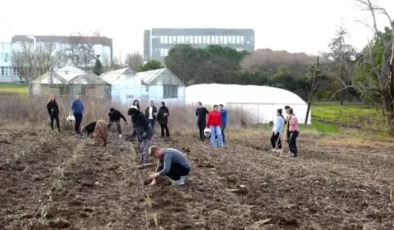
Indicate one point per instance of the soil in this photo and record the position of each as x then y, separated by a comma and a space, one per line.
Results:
58, 181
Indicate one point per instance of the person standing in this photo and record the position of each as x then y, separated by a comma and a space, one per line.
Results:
99, 130
201, 113
53, 111
172, 163
144, 133
214, 122
162, 118
151, 113
276, 131
137, 104
77, 109
294, 131
115, 116
223, 113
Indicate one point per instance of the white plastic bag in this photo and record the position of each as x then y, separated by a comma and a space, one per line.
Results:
70, 118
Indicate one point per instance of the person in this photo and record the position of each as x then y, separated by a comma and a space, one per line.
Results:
201, 113
172, 163
214, 121
99, 130
143, 131
294, 131
162, 118
77, 109
287, 108
150, 113
276, 131
137, 104
115, 116
223, 113
53, 111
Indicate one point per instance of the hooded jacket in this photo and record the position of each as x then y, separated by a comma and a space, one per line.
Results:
161, 118
142, 128
115, 115
53, 108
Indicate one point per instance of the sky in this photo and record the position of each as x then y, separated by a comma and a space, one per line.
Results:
292, 25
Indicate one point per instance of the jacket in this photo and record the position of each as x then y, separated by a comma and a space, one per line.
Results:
214, 118
53, 108
141, 125
90, 127
223, 113
201, 114
77, 106
154, 111
293, 123
278, 124
161, 118
115, 115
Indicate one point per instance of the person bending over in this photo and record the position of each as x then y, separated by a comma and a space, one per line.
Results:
98, 129
172, 163
114, 117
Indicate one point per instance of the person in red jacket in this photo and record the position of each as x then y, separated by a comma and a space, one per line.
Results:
214, 122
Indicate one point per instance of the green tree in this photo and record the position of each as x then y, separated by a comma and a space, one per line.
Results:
98, 68
151, 65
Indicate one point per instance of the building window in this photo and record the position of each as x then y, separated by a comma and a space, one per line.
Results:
199, 39
6, 57
242, 40
170, 91
147, 88
225, 40
2, 71
170, 40
15, 71
187, 40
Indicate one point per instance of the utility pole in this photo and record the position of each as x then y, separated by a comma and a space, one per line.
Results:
313, 90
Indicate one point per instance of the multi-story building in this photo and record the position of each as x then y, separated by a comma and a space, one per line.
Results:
7, 72
157, 42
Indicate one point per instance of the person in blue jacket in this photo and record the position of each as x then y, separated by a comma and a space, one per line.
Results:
77, 110
223, 113
276, 131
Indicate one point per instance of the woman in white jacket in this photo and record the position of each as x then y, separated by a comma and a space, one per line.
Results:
276, 131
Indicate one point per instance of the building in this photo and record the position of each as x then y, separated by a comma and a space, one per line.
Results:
69, 81
157, 42
7, 72
258, 104
72, 45
156, 85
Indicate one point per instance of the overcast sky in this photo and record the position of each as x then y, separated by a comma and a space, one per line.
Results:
292, 25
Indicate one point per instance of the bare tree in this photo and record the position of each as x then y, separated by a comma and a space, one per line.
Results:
106, 62
30, 62
385, 69
134, 60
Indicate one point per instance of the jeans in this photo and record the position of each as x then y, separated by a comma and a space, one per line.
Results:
223, 127
152, 123
216, 131
78, 121
275, 140
176, 171
293, 142
201, 127
164, 127
117, 126
55, 118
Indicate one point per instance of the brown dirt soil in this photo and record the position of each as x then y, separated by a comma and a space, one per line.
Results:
58, 181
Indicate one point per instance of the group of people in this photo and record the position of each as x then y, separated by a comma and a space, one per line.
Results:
172, 162
292, 131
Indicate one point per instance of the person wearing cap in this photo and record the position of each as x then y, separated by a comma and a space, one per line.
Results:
143, 131
115, 116
172, 163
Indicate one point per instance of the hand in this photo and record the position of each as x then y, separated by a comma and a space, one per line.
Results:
153, 176
153, 182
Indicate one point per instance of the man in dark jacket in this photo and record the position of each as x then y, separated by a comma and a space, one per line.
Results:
115, 116
143, 131
162, 118
150, 114
201, 113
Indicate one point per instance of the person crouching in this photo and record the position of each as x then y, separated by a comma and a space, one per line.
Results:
98, 129
172, 163
143, 131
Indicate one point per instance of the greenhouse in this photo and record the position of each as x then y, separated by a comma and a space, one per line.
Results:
259, 102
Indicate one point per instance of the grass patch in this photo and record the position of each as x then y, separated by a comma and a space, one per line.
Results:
344, 113
21, 88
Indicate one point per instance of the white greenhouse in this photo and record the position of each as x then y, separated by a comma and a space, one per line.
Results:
260, 102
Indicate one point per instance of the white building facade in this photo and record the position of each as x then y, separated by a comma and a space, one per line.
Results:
7, 72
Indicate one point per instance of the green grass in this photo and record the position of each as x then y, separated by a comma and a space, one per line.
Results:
20, 88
